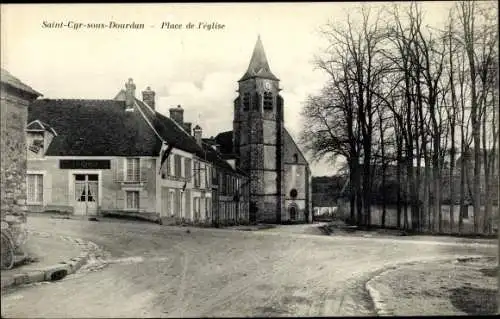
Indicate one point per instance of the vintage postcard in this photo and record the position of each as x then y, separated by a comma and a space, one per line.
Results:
249, 159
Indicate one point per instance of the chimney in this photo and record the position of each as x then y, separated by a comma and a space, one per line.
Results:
177, 114
129, 94
148, 97
197, 132
187, 127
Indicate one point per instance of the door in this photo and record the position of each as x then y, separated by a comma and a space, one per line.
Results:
253, 212
86, 194
293, 212
215, 207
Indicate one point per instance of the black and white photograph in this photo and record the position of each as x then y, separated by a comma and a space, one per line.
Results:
279, 159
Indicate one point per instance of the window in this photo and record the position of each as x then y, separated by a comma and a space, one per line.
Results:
170, 170
172, 202
196, 205
207, 206
177, 164
35, 188
208, 176
133, 169
202, 175
268, 101
246, 101
196, 174
187, 169
256, 102
295, 158
132, 199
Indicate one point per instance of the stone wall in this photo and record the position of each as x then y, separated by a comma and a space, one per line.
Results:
13, 116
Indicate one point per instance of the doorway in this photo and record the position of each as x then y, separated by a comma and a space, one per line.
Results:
86, 194
293, 212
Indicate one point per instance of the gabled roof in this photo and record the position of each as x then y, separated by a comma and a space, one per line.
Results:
259, 67
290, 149
38, 125
169, 130
10, 80
94, 128
225, 141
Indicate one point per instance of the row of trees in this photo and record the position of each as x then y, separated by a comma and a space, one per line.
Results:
419, 101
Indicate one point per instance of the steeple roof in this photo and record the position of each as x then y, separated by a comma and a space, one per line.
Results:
259, 67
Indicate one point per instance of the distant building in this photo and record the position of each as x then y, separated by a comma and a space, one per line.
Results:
260, 145
90, 157
15, 98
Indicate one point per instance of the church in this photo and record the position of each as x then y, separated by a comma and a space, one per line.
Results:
261, 146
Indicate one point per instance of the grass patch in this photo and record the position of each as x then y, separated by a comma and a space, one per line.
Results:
474, 301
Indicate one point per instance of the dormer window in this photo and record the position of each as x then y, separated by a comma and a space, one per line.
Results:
36, 145
268, 101
246, 101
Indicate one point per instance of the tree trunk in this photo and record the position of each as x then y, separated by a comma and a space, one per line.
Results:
462, 190
398, 177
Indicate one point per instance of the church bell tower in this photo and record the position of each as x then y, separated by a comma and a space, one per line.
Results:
258, 137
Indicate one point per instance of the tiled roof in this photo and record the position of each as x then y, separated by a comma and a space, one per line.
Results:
259, 67
104, 128
175, 135
225, 140
291, 148
170, 131
94, 128
216, 158
9, 79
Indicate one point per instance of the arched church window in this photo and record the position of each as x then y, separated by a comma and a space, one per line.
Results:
256, 101
268, 101
246, 101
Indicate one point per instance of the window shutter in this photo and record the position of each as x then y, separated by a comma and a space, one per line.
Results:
120, 199
177, 205
143, 200
187, 169
119, 169
144, 169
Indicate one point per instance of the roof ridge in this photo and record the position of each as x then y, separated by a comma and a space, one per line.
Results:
73, 99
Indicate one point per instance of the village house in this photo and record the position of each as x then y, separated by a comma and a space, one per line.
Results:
121, 156
15, 98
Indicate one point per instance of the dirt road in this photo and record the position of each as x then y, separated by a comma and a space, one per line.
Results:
161, 271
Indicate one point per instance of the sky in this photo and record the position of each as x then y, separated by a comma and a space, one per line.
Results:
195, 68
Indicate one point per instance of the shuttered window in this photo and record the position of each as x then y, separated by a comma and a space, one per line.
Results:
268, 101
35, 188
256, 102
178, 167
208, 176
133, 169
196, 174
187, 169
246, 101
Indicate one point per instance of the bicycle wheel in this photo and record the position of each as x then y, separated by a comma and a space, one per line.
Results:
7, 255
